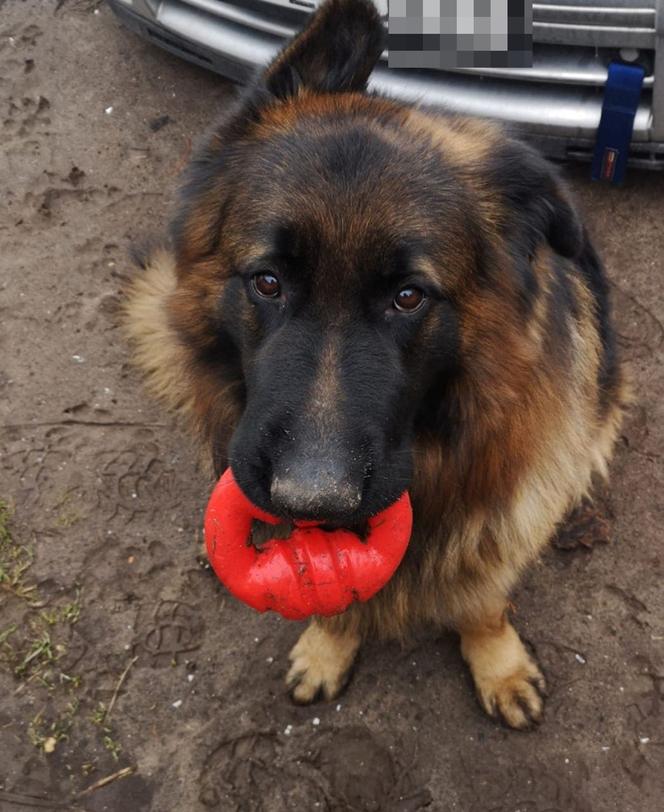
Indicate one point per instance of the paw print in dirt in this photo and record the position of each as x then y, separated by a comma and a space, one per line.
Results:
174, 630
335, 769
247, 772
496, 786
636, 431
640, 333
361, 773
77, 6
34, 462
136, 482
24, 37
25, 116
642, 754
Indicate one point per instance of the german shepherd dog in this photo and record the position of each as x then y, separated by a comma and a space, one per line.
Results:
361, 297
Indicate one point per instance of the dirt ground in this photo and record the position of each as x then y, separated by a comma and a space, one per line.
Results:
120, 656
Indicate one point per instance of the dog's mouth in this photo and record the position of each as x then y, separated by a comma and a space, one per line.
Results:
262, 532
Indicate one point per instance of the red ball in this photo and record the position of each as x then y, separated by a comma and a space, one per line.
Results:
315, 571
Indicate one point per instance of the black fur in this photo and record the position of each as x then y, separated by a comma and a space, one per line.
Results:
335, 52
609, 373
540, 206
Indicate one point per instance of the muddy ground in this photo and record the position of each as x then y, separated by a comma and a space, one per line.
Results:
121, 657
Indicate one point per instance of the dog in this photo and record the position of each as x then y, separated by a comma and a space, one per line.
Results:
359, 297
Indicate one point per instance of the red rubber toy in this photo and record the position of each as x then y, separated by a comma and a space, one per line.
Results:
314, 572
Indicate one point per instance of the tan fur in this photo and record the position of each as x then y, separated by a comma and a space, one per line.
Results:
507, 681
157, 351
464, 143
326, 392
320, 662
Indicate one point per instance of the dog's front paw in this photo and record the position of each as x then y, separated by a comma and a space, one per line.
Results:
509, 684
518, 699
320, 664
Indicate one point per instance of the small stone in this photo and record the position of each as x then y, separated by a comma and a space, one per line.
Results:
156, 124
75, 176
49, 744
177, 703
208, 796
315, 721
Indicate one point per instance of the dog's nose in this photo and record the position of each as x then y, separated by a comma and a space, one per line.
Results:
315, 489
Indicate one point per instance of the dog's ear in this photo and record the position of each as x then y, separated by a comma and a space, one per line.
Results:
536, 203
335, 52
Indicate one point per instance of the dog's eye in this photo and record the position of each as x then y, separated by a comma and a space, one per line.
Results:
409, 299
266, 285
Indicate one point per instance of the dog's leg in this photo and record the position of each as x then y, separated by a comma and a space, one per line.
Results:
509, 683
321, 661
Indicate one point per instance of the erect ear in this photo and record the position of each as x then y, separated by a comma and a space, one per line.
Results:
336, 51
537, 203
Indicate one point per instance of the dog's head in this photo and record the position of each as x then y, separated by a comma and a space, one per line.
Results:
341, 261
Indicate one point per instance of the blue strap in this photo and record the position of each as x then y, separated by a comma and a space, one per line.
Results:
614, 134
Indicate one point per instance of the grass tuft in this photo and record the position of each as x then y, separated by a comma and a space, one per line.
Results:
33, 648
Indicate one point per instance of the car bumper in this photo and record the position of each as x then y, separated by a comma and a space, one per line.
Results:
561, 117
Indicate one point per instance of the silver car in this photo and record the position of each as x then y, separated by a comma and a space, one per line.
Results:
556, 103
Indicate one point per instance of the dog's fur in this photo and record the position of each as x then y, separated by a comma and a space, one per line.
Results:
502, 396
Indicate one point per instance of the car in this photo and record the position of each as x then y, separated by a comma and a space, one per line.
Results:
556, 103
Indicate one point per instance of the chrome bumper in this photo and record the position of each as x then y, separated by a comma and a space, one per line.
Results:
556, 103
